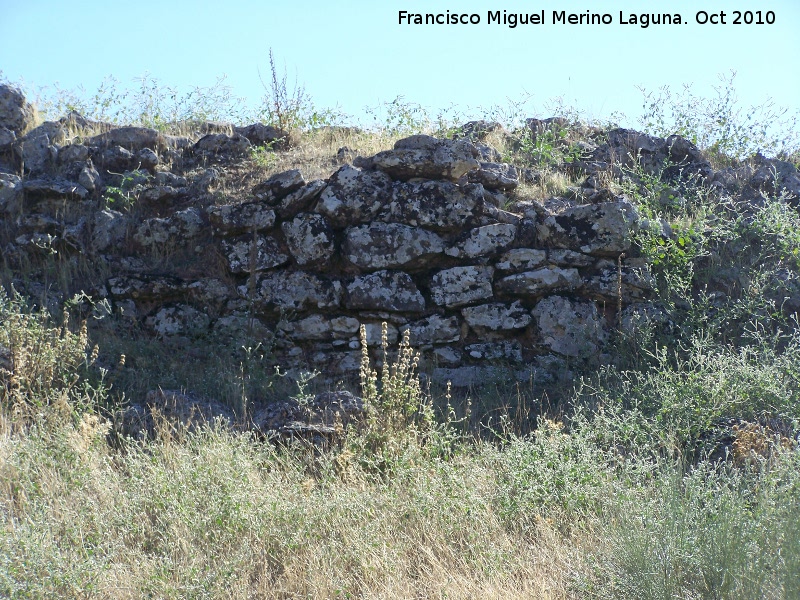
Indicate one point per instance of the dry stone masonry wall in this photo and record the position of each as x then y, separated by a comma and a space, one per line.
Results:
422, 237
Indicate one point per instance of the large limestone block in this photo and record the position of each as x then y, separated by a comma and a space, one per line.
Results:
570, 327
310, 239
496, 317
354, 196
385, 290
251, 253
294, 291
390, 245
484, 241
435, 204
540, 281
460, 286
435, 329
16, 113
427, 157
598, 229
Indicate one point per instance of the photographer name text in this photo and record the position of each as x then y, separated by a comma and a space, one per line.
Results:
562, 17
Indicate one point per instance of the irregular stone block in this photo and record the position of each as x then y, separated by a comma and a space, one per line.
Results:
496, 317
109, 228
432, 330
462, 285
16, 113
571, 328
511, 351
385, 290
540, 281
599, 229
144, 288
427, 157
495, 176
382, 245
354, 196
435, 204
178, 320
295, 290
374, 333
222, 146
10, 193
521, 259
484, 241
310, 239
249, 254
300, 200
177, 229
132, 139
279, 186
241, 218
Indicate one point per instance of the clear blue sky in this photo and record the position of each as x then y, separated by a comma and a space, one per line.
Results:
355, 54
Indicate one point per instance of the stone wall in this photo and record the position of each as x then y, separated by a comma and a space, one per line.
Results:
424, 237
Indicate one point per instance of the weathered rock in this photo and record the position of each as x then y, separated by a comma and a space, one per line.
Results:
435, 204
300, 200
598, 229
181, 410
10, 193
215, 127
540, 281
16, 113
374, 334
506, 351
210, 293
484, 241
385, 290
7, 139
37, 150
637, 283
114, 159
279, 186
219, 145
109, 228
480, 129
460, 286
147, 159
89, 177
569, 258
166, 178
310, 239
382, 245
296, 291
427, 157
265, 135
319, 327
325, 415
231, 219
447, 356
131, 139
521, 259
178, 320
432, 330
73, 153
776, 177
146, 288
495, 176
353, 196
53, 187
571, 328
252, 253
496, 317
